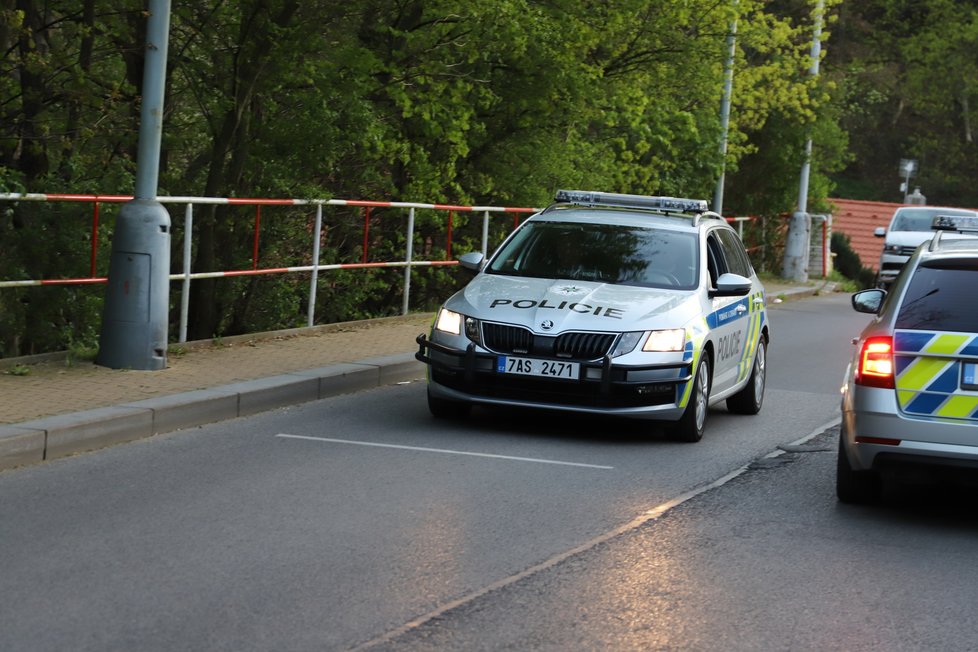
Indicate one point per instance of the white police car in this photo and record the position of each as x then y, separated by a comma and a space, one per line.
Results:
603, 303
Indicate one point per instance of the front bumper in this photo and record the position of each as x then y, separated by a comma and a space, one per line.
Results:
890, 266
650, 392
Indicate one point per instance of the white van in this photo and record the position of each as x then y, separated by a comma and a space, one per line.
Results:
910, 226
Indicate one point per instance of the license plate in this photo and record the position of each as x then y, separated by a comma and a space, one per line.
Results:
532, 367
968, 380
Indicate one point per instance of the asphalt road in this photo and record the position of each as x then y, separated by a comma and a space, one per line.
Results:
360, 521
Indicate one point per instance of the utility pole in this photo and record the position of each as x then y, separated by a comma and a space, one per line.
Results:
725, 106
135, 315
799, 229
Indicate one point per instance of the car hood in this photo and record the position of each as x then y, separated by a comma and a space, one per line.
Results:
908, 238
549, 306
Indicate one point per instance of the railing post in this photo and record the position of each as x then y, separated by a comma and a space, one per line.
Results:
409, 256
188, 227
314, 282
254, 250
366, 232
94, 239
485, 234
448, 241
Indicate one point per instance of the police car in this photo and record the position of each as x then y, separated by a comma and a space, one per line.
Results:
603, 303
910, 395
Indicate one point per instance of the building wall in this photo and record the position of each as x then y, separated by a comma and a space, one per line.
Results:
858, 219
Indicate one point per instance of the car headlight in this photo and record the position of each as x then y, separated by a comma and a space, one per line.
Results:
668, 340
452, 322
892, 249
449, 322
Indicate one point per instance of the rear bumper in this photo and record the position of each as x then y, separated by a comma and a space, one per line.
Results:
919, 443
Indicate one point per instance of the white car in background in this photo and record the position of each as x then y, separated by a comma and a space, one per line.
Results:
910, 226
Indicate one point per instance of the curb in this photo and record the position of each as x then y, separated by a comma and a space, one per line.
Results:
801, 292
49, 438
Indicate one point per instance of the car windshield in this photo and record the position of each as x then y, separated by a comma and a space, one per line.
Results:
626, 255
941, 298
921, 219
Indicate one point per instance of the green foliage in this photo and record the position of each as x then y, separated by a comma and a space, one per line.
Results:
847, 262
909, 83
487, 102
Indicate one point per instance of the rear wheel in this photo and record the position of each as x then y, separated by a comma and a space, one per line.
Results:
691, 425
851, 486
751, 397
442, 408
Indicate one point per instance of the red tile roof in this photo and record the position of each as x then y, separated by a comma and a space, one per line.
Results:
858, 219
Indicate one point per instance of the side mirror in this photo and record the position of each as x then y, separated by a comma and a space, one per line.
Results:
880, 232
868, 301
471, 262
732, 285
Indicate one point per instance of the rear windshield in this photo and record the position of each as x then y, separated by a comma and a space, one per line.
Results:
644, 257
941, 298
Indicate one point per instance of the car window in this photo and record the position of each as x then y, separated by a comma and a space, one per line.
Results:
716, 265
733, 251
921, 219
644, 257
941, 298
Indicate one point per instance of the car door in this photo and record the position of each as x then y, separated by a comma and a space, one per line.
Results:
732, 326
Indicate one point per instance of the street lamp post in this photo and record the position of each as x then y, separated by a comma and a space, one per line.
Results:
136, 311
796, 245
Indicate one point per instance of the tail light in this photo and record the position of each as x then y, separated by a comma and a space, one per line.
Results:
876, 363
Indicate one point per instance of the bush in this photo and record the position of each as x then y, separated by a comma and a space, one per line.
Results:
848, 264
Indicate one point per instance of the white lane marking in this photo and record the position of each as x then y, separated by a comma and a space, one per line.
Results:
442, 450
653, 514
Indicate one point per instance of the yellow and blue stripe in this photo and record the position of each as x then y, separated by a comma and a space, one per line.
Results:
929, 368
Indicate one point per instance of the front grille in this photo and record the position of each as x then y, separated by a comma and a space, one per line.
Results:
503, 338
506, 339
583, 346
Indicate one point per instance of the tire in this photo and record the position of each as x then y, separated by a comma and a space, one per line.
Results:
751, 397
692, 424
851, 486
441, 408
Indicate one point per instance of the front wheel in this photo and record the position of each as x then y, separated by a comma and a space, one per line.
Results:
691, 425
749, 399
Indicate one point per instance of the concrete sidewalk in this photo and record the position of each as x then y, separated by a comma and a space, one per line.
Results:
50, 408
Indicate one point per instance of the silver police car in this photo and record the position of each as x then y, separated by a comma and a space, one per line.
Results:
910, 395
604, 303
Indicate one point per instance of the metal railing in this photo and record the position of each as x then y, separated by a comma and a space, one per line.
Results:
187, 275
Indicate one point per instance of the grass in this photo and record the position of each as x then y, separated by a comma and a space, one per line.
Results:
19, 370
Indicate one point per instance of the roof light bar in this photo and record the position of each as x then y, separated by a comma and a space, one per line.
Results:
668, 204
960, 223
